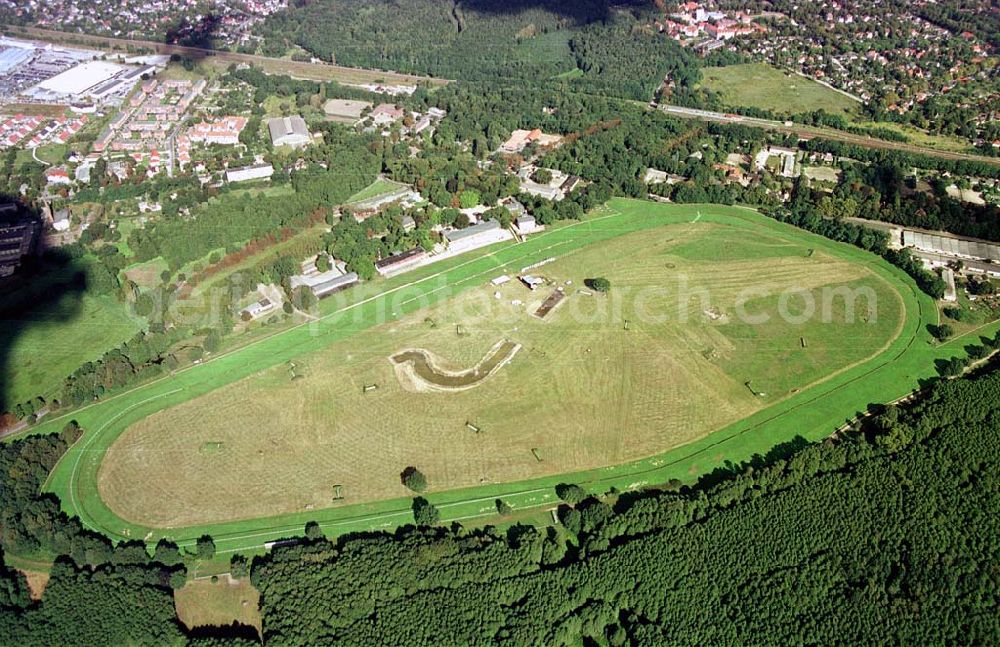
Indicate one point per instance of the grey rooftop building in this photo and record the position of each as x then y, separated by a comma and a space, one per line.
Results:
288, 131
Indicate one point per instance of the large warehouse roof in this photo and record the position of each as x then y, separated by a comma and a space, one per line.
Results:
481, 228
11, 57
950, 245
81, 78
288, 130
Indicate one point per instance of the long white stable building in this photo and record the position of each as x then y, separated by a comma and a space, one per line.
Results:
476, 236
951, 245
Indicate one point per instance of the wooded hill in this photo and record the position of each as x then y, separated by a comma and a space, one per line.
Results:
590, 45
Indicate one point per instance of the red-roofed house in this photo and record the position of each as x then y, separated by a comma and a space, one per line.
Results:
386, 113
57, 175
225, 130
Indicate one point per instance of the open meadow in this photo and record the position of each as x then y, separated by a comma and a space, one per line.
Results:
379, 187
202, 603
667, 356
61, 337
763, 86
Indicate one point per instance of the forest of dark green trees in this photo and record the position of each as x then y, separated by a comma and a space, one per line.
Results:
590, 44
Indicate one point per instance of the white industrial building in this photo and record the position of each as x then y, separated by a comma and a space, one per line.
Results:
60, 220
258, 309
952, 245
526, 225
324, 283
402, 262
335, 284
402, 195
950, 291
288, 131
476, 236
78, 80
541, 190
247, 173
12, 54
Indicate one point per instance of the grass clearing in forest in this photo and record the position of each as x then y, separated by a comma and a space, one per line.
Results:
148, 274
551, 48
37, 581
202, 603
379, 187
938, 141
763, 86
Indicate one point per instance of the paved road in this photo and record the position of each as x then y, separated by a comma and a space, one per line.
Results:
825, 133
23, 424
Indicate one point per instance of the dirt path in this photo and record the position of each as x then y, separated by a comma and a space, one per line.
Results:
422, 366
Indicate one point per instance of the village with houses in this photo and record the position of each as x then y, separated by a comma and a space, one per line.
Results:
139, 19
148, 126
144, 121
705, 29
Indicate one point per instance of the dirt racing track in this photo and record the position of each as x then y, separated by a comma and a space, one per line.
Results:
812, 413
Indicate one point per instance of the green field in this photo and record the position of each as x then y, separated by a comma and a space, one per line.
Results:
378, 187
147, 275
760, 85
570, 75
279, 106
583, 392
551, 48
821, 173
202, 603
951, 143
49, 154
802, 396
57, 340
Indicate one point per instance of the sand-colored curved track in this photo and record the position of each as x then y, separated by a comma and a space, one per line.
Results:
420, 370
